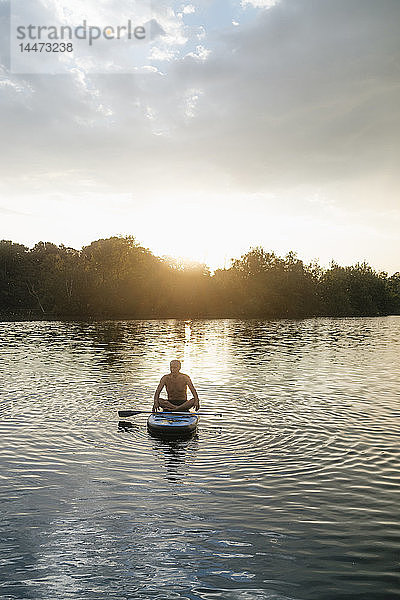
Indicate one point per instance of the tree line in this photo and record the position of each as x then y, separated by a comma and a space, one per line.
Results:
116, 278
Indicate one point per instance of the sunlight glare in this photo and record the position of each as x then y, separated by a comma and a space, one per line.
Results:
190, 231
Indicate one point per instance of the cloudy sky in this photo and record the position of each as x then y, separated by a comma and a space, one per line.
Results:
258, 122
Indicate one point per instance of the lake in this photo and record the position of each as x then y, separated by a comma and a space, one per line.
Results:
293, 494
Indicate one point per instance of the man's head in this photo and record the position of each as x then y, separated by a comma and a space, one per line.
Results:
175, 366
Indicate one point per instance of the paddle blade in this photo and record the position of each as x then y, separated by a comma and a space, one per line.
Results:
129, 413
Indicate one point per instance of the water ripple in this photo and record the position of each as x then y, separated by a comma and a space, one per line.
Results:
292, 494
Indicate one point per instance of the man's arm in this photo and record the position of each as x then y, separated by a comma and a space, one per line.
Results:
194, 392
160, 386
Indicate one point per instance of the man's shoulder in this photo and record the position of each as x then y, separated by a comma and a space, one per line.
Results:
180, 375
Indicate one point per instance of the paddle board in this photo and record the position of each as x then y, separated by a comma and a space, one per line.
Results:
170, 424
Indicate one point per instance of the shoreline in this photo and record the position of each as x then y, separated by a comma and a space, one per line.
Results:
31, 316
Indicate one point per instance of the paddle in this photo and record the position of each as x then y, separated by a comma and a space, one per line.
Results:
132, 413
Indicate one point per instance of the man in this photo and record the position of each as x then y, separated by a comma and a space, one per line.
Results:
176, 384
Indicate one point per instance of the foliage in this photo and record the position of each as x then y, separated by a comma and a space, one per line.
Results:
118, 278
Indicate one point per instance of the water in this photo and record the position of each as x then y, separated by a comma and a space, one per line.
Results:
294, 494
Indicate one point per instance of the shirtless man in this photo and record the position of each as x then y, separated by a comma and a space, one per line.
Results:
176, 384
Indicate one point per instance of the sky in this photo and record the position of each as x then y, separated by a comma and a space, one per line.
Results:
240, 123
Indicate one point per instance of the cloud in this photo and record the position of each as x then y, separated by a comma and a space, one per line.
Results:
189, 9
303, 96
8, 211
259, 3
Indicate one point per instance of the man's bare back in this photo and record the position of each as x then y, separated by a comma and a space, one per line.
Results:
176, 384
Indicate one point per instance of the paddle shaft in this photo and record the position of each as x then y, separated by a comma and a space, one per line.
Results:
131, 413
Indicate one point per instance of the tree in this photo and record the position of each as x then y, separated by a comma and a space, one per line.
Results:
118, 278
13, 269
354, 291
